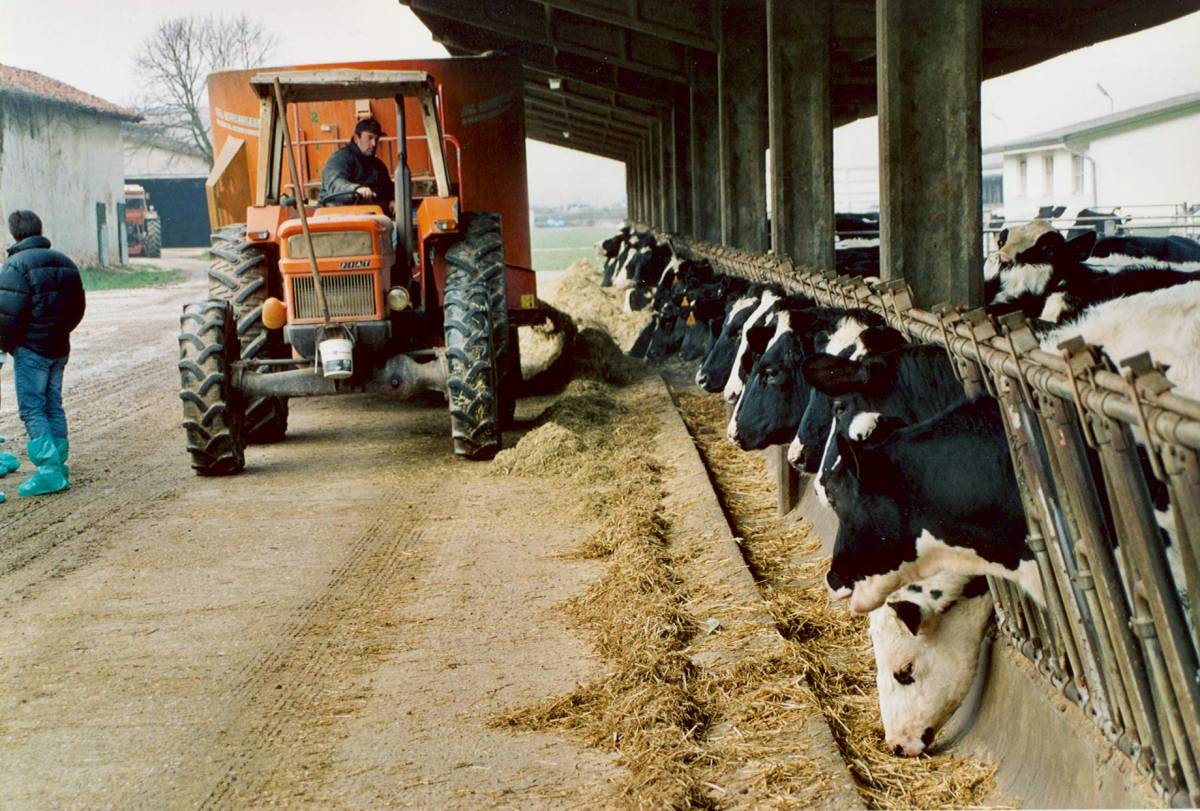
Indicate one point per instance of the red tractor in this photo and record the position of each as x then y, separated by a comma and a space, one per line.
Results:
143, 228
330, 296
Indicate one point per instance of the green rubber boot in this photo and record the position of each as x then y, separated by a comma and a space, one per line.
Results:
51, 474
8, 463
63, 446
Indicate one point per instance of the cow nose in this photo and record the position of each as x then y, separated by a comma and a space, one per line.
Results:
898, 750
701, 379
927, 737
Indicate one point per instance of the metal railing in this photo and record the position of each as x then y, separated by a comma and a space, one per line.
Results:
1117, 635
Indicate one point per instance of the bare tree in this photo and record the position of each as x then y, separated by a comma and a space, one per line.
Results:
175, 61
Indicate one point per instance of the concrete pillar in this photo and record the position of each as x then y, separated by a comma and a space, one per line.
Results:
706, 149
929, 147
742, 91
635, 199
668, 163
801, 131
681, 128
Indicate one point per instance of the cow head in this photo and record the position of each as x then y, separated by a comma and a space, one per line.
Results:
874, 545
771, 405
926, 642
714, 371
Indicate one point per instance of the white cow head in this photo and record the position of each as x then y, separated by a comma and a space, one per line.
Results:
926, 650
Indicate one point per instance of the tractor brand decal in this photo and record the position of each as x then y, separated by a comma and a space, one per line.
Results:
488, 109
241, 124
356, 263
528, 301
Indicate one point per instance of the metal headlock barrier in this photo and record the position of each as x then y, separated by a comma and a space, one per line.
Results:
1117, 636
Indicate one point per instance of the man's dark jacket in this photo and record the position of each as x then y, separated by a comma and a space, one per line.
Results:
350, 168
41, 299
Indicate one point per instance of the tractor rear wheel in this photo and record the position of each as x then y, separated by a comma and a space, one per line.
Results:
484, 235
239, 274
471, 368
152, 247
212, 410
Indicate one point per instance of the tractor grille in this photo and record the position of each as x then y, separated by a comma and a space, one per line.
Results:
350, 295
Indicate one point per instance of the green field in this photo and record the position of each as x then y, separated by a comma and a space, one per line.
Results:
557, 248
116, 277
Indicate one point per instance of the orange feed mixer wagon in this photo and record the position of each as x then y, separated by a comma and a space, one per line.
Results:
319, 294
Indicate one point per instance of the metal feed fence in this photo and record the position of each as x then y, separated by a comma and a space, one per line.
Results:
1117, 635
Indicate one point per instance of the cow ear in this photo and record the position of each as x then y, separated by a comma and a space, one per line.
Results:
833, 375
1001, 238
1048, 246
877, 340
908, 613
1080, 248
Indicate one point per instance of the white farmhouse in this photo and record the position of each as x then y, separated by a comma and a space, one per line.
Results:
1143, 157
61, 156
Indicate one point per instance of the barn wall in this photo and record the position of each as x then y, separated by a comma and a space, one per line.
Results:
1154, 164
61, 164
148, 160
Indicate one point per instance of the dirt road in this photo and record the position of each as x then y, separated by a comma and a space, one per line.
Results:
334, 627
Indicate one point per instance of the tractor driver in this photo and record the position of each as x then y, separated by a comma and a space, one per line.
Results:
354, 168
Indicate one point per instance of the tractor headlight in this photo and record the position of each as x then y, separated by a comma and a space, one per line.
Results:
445, 225
398, 299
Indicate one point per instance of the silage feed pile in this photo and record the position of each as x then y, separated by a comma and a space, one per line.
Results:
578, 292
829, 645
689, 732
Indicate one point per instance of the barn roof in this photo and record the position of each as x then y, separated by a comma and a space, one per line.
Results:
615, 64
33, 85
1081, 130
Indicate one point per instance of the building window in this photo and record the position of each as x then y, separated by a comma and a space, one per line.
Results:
993, 190
1023, 168
1077, 174
1048, 171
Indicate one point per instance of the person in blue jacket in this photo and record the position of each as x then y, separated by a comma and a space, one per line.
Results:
41, 302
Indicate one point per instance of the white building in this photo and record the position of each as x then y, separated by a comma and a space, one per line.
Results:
61, 156
1146, 156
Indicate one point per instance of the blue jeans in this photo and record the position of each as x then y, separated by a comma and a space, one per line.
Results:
39, 393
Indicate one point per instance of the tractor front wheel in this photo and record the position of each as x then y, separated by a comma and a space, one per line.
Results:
239, 274
213, 411
471, 367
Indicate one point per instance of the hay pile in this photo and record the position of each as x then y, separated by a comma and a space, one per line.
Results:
828, 647
690, 735
579, 293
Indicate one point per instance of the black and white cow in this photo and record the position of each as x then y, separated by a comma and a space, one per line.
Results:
913, 501
853, 340
609, 250
1054, 278
714, 371
926, 640
909, 383
770, 408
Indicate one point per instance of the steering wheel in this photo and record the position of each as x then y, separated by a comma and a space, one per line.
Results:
338, 198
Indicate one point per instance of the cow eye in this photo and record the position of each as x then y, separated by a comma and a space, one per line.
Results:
839, 408
904, 675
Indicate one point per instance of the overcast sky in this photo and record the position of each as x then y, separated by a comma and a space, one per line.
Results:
90, 45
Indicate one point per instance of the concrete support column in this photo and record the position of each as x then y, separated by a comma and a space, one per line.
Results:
681, 128
631, 172
666, 173
742, 90
705, 149
928, 78
801, 131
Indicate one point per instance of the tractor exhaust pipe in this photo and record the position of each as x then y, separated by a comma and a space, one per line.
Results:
401, 377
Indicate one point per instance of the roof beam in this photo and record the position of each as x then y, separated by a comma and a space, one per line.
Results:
497, 17
598, 119
669, 25
581, 127
590, 146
